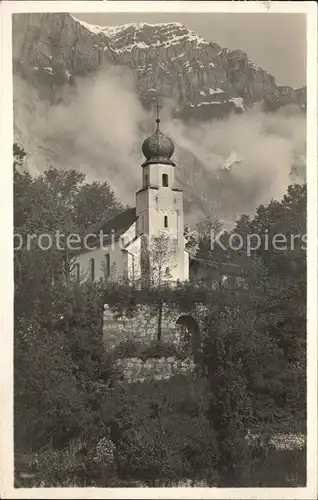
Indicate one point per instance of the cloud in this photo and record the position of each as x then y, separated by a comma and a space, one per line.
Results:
101, 124
100, 129
266, 145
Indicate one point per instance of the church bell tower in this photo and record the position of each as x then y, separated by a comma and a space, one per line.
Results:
159, 204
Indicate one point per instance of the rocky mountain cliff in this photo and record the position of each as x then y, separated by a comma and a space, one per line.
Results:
201, 80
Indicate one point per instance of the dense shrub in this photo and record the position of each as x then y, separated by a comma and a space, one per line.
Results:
161, 431
255, 347
155, 349
158, 349
92, 466
59, 366
127, 349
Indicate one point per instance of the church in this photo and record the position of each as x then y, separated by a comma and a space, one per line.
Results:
145, 242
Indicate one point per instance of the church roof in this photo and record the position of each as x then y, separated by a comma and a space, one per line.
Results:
121, 221
113, 228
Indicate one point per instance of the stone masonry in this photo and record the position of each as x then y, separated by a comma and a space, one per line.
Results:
142, 327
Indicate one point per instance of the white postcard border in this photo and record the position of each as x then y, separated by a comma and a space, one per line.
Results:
6, 200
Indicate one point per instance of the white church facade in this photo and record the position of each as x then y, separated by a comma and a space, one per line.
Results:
145, 242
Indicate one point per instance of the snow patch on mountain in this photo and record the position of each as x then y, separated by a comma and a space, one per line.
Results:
216, 91
169, 30
204, 103
238, 101
113, 30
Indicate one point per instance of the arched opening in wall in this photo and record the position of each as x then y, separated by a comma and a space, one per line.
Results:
189, 334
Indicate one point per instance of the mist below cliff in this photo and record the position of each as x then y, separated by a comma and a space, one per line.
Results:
226, 167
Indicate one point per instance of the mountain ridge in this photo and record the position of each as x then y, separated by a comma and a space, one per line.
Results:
200, 66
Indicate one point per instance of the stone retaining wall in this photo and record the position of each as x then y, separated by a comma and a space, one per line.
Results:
141, 326
136, 370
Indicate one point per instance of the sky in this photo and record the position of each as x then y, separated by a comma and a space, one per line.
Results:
276, 42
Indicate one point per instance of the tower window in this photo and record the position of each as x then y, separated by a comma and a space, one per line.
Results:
167, 271
92, 269
77, 272
146, 180
166, 221
165, 180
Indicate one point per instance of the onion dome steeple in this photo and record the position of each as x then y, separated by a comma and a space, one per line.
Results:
158, 148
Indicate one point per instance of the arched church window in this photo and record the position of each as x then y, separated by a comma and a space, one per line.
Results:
167, 271
166, 221
146, 180
165, 180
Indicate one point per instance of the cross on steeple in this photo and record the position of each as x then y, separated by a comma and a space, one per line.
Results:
157, 106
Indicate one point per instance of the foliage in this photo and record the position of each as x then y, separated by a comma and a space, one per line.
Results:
279, 469
155, 433
59, 361
255, 342
158, 432
50, 208
156, 349
158, 252
128, 348
18, 155
54, 373
252, 387
159, 349
124, 298
161, 432
92, 466
95, 202
64, 199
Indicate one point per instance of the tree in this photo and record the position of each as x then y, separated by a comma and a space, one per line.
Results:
58, 328
255, 339
156, 256
161, 431
159, 252
213, 253
283, 223
252, 384
96, 202
54, 203
18, 155
58, 352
